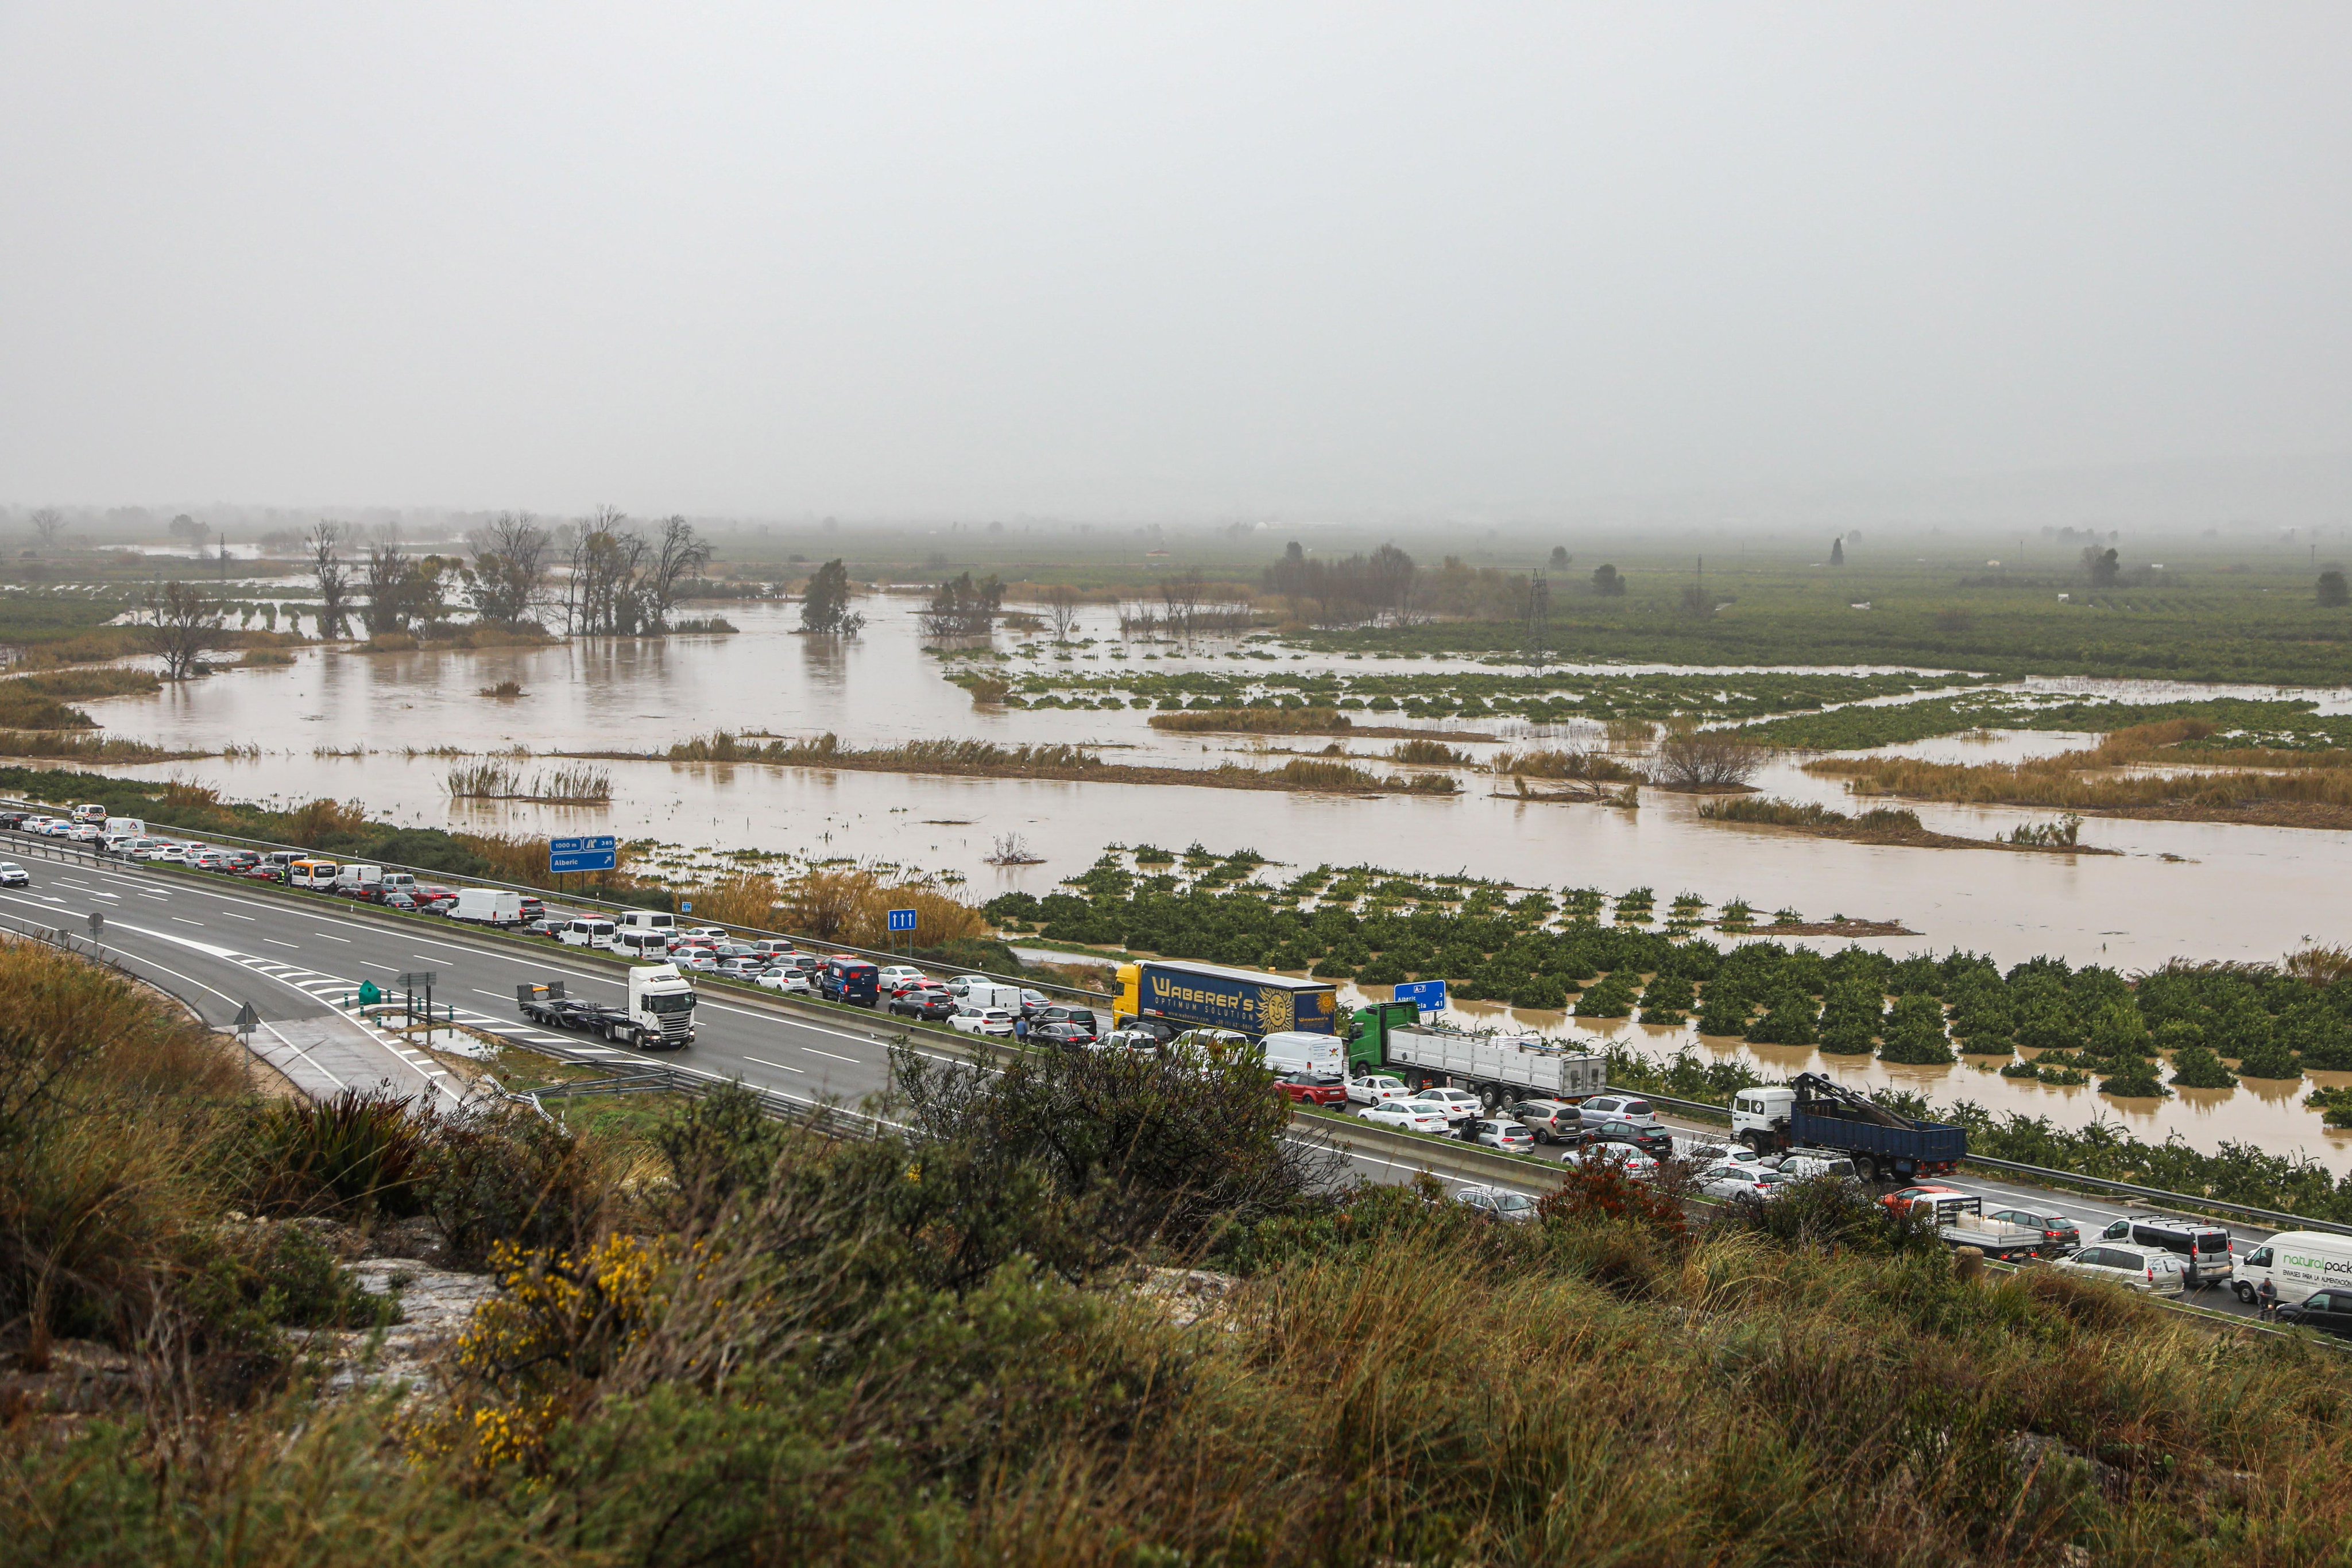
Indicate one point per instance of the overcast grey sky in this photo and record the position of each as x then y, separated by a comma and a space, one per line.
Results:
1168, 259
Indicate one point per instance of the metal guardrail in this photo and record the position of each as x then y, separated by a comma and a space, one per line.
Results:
2277, 1218
567, 899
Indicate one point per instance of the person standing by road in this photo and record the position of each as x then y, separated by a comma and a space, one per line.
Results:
1020, 1028
2266, 1300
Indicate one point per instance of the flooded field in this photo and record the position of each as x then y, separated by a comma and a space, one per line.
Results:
2205, 890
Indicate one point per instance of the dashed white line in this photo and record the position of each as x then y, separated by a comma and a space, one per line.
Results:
344, 940
232, 913
185, 920
756, 1062
814, 1052
387, 969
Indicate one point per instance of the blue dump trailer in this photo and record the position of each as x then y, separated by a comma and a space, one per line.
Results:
1814, 1112
1210, 996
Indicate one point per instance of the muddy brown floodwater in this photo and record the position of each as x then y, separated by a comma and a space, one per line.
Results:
2205, 890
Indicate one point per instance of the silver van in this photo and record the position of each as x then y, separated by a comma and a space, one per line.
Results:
2186, 1239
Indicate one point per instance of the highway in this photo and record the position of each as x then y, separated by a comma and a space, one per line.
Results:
220, 943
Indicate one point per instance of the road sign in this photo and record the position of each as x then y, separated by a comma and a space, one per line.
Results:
591, 852
248, 1021
418, 980
686, 906
1428, 996
98, 922
370, 993
902, 919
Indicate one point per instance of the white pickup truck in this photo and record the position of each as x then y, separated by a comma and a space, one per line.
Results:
1959, 1220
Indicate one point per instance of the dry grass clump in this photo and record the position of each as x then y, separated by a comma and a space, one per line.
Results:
2310, 788
1592, 766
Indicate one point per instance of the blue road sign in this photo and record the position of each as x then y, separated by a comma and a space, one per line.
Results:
902, 920
595, 852
1428, 996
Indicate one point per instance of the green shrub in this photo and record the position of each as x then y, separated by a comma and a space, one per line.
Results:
363, 1152
2195, 1067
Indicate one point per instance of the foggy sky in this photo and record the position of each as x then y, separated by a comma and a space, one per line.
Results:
1174, 259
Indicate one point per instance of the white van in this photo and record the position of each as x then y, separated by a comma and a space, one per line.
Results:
358, 881
2296, 1263
651, 946
587, 934
125, 828
1293, 1051
648, 920
89, 815
488, 907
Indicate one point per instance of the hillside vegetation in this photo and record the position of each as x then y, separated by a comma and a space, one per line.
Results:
981, 1340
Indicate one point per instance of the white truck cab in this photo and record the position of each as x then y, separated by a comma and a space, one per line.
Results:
661, 1004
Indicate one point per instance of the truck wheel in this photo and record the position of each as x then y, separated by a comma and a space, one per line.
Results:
1755, 1142
1866, 1168
1491, 1097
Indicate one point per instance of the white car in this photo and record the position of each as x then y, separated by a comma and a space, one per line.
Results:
1497, 1203
1701, 1153
788, 982
1406, 1115
14, 875
2151, 1271
1511, 1137
172, 854
1617, 1108
1374, 1088
702, 960
703, 933
1636, 1164
982, 1021
889, 974
1459, 1104
83, 834
1729, 1181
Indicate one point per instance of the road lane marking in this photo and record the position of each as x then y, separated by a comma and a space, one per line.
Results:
756, 1062
344, 940
232, 913
851, 1060
185, 920
276, 943
387, 969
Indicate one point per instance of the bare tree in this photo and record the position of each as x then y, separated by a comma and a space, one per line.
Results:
334, 579
48, 524
183, 626
511, 558
677, 553
1691, 759
1062, 607
1182, 594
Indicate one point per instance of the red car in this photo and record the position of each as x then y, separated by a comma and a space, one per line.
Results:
265, 873
1313, 1088
1900, 1202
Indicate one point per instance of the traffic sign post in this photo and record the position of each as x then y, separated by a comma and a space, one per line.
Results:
417, 980
248, 1021
98, 922
1428, 996
903, 920
591, 851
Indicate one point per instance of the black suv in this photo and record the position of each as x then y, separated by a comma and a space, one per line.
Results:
1057, 1013
1061, 1033
1652, 1139
931, 1007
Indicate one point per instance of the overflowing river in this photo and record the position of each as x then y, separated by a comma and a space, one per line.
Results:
2206, 891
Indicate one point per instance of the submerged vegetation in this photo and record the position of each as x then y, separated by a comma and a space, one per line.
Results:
567, 784
1889, 825
988, 760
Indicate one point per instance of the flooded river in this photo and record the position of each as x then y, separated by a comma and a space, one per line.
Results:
2206, 891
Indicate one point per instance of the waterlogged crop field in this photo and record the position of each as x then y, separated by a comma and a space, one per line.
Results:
1557, 696
2241, 723
1600, 961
